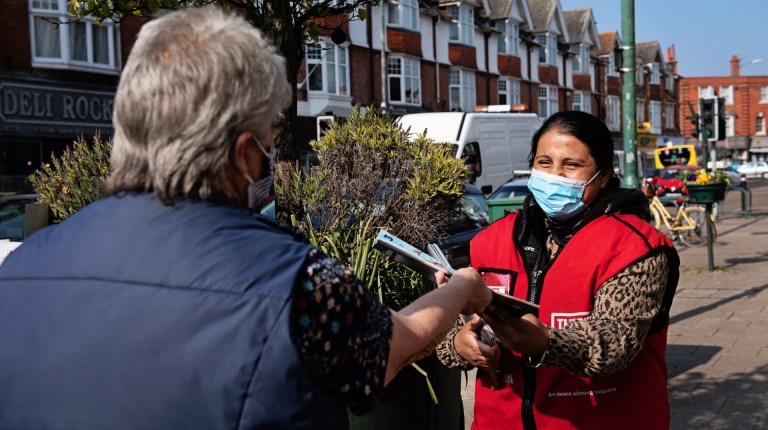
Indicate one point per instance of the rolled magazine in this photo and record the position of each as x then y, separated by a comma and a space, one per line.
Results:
433, 260
407, 254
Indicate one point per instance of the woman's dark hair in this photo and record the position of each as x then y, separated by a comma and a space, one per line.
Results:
583, 126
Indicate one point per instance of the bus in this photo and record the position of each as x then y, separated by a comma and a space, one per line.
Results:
684, 155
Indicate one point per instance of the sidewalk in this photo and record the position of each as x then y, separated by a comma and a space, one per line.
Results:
718, 337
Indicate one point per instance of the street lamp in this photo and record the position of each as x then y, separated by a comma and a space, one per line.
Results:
736, 61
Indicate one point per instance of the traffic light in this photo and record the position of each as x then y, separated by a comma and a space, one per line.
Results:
695, 121
707, 109
720, 122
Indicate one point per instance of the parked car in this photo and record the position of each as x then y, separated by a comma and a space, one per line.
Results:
514, 188
733, 173
12, 221
670, 189
12, 215
472, 219
755, 169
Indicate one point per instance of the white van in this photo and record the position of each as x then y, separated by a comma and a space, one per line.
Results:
493, 145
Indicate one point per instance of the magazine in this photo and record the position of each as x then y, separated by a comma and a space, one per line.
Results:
412, 257
512, 305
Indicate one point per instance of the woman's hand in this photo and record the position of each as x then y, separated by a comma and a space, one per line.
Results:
477, 353
478, 296
526, 335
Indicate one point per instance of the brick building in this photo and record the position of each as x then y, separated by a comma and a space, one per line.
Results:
746, 99
453, 55
56, 82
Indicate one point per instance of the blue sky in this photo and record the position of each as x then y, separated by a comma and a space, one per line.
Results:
706, 33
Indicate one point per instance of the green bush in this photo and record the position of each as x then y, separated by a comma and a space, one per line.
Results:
371, 176
74, 179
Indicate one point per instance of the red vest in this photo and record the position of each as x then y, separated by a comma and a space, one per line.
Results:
634, 398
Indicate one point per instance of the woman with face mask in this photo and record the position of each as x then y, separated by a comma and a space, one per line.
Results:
604, 278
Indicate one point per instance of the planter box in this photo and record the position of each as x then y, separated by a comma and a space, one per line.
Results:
407, 405
36, 216
707, 193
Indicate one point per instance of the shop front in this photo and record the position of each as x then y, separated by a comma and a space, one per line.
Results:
39, 118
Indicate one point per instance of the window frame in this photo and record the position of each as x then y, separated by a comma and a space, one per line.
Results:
510, 36
611, 67
613, 110
707, 92
466, 90
326, 48
407, 15
548, 48
640, 111
655, 114
729, 97
463, 21
760, 126
66, 36
584, 104
655, 74
406, 75
669, 115
549, 101
511, 91
763, 94
581, 60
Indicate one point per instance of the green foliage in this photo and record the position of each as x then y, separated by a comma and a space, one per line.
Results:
73, 180
371, 176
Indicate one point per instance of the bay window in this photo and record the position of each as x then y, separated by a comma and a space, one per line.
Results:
327, 69
462, 90
57, 41
404, 75
547, 100
509, 91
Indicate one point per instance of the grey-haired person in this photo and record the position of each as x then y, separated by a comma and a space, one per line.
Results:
170, 303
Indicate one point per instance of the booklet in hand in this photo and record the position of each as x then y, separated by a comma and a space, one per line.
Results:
503, 304
411, 256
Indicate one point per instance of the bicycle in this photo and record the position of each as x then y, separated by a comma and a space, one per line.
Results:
688, 225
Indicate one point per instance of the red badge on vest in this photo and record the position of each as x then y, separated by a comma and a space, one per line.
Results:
500, 280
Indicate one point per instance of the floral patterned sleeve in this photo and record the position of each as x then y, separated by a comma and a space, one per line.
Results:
341, 331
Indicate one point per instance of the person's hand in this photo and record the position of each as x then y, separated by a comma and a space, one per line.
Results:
441, 278
479, 296
477, 353
526, 335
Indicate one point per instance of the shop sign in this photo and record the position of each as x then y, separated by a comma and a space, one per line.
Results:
33, 110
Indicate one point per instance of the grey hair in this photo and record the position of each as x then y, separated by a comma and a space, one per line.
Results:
195, 79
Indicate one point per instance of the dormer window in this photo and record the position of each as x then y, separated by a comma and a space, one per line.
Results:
509, 39
403, 13
581, 60
655, 74
548, 49
462, 26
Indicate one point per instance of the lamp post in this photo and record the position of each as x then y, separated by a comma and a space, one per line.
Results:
736, 66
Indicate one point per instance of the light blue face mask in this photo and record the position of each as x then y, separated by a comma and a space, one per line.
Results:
558, 197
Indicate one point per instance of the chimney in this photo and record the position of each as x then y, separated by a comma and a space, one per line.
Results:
735, 66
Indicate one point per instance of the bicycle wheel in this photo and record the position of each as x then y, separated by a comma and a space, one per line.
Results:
697, 236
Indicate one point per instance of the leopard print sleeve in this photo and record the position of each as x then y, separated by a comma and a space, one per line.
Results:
446, 351
611, 337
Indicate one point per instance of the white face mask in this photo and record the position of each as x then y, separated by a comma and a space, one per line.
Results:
261, 192
559, 197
